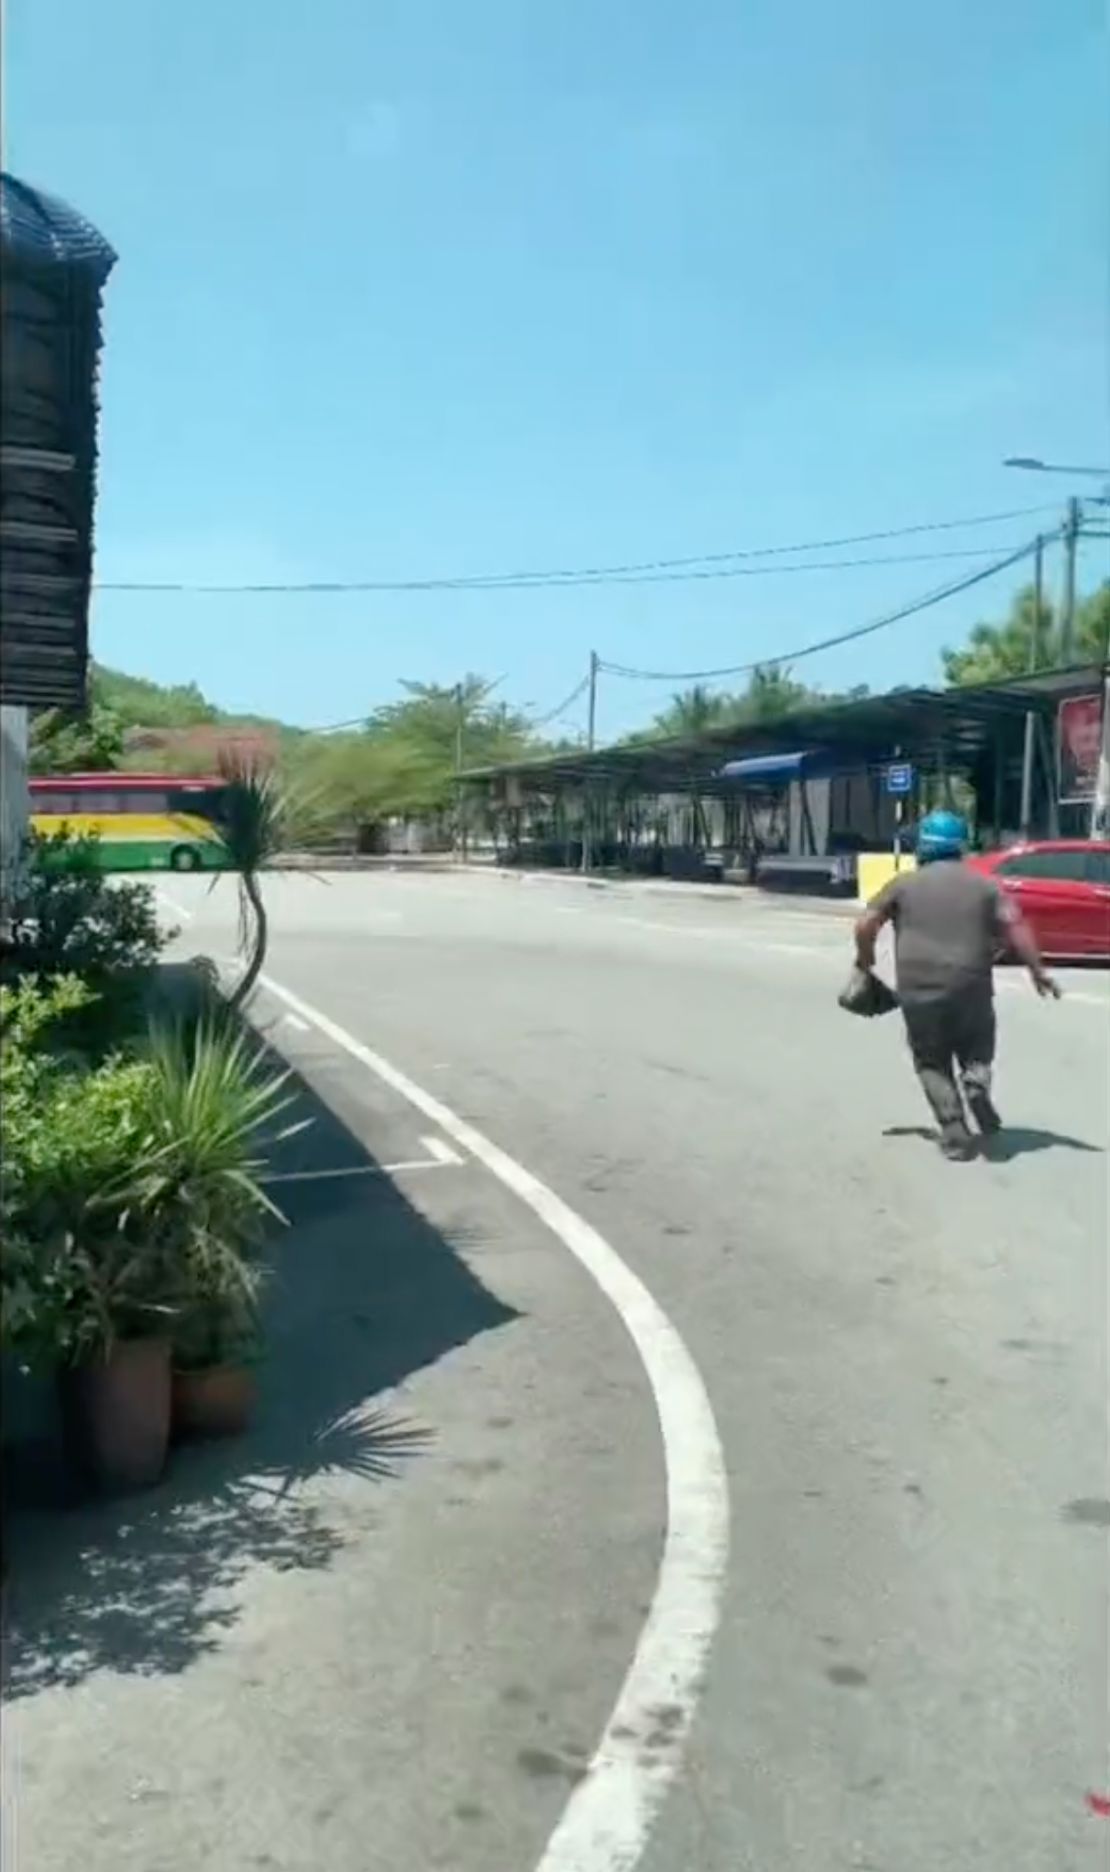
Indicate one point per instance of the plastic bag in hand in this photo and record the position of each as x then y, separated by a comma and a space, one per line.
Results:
867, 994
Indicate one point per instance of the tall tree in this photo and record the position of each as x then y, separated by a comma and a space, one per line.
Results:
773, 692
404, 761
995, 651
692, 711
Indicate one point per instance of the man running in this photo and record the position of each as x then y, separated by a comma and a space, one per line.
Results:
949, 924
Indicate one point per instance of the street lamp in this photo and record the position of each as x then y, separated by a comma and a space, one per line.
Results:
1041, 467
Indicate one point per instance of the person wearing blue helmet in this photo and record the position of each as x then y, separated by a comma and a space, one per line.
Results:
949, 924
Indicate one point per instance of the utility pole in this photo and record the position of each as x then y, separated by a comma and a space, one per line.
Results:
591, 728
460, 723
1030, 717
591, 737
1067, 612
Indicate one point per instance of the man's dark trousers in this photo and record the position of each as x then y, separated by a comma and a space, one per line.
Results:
948, 1029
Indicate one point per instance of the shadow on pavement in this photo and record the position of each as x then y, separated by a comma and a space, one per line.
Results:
1012, 1141
365, 1291
1020, 1140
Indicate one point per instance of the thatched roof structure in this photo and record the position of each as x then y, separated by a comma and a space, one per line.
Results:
55, 264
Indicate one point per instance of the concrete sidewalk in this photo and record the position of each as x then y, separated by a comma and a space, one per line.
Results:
383, 1629
442, 864
620, 883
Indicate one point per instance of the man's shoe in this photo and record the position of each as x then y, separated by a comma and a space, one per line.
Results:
956, 1142
983, 1112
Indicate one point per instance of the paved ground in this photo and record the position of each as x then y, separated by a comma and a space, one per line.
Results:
906, 1361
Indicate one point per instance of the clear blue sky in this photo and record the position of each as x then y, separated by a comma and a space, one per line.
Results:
437, 286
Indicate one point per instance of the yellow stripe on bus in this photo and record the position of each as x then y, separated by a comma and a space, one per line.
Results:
123, 826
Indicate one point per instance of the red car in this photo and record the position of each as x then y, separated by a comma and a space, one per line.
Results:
1063, 889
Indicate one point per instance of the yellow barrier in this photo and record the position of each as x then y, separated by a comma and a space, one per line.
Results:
874, 869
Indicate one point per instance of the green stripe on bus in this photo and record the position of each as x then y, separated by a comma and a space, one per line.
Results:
154, 854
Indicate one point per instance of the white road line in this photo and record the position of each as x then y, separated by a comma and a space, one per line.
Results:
295, 1021
751, 942
607, 1821
441, 1152
1012, 985
746, 942
672, 929
1008, 983
361, 1170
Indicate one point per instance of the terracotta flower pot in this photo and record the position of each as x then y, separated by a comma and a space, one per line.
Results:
116, 1414
214, 1402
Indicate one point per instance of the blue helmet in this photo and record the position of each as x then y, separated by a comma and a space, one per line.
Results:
941, 834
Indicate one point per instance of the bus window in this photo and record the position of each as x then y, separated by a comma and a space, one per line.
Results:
206, 801
55, 805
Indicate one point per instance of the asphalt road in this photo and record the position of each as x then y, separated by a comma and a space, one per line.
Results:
906, 1359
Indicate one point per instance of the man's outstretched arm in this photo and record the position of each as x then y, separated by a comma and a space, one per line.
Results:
1022, 943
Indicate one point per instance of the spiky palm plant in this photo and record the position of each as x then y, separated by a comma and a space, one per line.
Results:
255, 813
221, 1108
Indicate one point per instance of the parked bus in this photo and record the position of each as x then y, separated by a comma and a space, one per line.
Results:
138, 822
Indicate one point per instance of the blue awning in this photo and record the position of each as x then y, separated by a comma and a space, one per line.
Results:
765, 767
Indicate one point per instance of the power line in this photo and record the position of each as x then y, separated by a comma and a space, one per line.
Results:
830, 643
536, 582
763, 571
357, 721
935, 596
763, 552
698, 565
560, 709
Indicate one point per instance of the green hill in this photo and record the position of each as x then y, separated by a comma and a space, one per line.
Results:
137, 702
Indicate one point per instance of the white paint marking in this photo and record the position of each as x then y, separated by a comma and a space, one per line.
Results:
1015, 985
175, 908
671, 929
295, 1021
361, 1170
441, 1152
607, 1821
751, 942
789, 948
746, 942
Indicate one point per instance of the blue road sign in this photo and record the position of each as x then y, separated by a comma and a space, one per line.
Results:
899, 778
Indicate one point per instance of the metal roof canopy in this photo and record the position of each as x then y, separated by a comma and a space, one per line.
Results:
935, 728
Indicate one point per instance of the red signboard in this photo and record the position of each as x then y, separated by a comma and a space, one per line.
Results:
1078, 740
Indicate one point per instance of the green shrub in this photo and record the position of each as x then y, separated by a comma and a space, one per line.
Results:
68, 918
129, 1190
75, 1273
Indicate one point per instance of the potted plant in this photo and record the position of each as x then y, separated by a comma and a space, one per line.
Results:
87, 1286
215, 1358
104, 1275
221, 1102
132, 1198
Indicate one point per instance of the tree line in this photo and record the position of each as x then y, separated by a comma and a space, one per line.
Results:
403, 759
